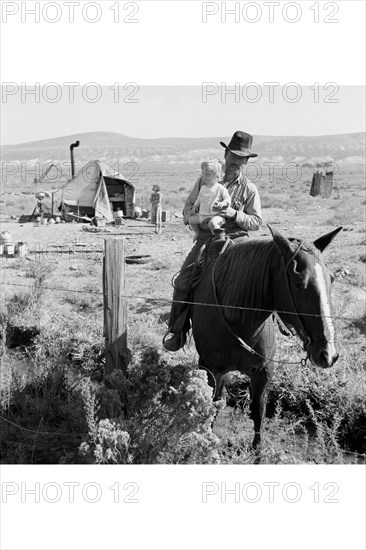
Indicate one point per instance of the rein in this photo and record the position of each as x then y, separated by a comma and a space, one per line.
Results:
240, 340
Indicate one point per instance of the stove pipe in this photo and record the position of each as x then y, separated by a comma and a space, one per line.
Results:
72, 146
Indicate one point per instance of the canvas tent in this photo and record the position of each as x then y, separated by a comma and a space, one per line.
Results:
322, 184
97, 190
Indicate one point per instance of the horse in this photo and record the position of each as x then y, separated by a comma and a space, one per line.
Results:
248, 283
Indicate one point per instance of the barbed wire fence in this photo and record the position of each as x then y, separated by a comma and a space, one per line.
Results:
171, 301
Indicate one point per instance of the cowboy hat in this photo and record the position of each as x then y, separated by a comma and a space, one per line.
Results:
240, 145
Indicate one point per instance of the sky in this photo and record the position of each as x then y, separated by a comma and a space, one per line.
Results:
208, 110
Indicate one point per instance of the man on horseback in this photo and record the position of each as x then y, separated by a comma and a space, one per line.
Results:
242, 216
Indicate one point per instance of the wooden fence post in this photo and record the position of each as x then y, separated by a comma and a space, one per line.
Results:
115, 306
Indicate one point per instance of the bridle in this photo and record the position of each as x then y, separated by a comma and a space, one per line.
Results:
303, 334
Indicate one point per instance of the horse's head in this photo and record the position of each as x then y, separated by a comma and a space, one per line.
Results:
306, 295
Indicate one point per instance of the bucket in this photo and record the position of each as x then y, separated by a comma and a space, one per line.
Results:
5, 243
10, 249
118, 214
43, 221
22, 249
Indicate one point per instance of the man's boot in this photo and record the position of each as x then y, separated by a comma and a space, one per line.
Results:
175, 342
179, 323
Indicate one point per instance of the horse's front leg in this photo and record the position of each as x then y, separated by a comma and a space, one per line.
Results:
217, 383
215, 380
258, 384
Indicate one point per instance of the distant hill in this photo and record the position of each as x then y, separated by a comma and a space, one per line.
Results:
344, 149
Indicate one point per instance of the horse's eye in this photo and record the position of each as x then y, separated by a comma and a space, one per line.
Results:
300, 285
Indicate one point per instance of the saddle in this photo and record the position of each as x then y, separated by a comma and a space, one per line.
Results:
205, 261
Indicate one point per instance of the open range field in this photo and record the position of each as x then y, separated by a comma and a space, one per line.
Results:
53, 405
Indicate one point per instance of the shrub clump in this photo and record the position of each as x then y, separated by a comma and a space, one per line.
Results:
108, 444
162, 415
336, 406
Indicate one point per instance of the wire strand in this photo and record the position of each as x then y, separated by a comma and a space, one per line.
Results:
172, 301
36, 432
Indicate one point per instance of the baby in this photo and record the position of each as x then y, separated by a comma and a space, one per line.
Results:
212, 198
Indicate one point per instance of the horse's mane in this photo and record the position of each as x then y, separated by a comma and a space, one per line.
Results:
242, 277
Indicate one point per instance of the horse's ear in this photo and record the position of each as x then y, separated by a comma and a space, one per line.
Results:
325, 240
282, 242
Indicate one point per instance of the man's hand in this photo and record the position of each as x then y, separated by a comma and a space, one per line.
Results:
229, 213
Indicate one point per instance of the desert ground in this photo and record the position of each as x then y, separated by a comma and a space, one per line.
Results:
52, 341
